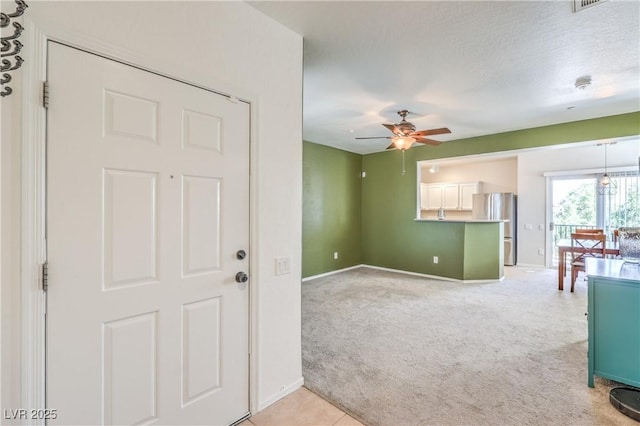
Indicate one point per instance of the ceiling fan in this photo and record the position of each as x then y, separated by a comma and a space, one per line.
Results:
405, 134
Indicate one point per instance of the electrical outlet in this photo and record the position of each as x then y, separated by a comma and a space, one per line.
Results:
541, 252
541, 227
335, 254
528, 227
435, 259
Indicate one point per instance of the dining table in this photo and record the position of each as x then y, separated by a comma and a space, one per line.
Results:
564, 246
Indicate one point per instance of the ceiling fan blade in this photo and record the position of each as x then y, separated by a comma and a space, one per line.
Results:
376, 137
392, 146
428, 141
393, 129
432, 132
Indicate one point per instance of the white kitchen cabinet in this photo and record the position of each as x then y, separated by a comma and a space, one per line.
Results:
450, 196
466, 194
430, 196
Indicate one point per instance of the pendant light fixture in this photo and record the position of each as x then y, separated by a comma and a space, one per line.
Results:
606, 185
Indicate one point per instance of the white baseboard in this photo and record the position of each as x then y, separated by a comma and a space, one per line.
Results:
434, 277
399, 271
337, 271
279, 395
532, 265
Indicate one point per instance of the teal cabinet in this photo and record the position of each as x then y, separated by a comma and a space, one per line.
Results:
614, 321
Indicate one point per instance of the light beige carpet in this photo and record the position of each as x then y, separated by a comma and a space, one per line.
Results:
393, 349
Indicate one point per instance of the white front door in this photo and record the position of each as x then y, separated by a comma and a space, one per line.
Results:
147, 207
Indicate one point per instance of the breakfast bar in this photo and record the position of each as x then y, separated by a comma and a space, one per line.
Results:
466, 250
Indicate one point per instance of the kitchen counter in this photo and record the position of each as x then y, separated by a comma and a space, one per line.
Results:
461, 249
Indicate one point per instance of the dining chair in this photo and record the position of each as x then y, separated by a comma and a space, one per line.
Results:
588, 231
583, 246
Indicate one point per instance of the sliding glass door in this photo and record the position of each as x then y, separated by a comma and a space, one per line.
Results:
573, 205
577, 203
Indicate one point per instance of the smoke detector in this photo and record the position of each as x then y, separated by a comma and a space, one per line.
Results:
583, 82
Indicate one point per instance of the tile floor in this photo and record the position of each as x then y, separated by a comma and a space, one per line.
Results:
301, 408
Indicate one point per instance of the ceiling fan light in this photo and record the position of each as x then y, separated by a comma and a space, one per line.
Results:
403, 142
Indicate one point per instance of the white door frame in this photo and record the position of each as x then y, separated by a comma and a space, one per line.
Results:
548, 235
33, 192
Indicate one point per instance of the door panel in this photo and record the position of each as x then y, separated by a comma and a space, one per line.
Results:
201, 225
148, 202
130, 225
201, 349
130, 363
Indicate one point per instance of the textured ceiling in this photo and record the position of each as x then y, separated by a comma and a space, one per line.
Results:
476, 67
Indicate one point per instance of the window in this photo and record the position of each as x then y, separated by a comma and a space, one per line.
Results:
576, 203
623, 207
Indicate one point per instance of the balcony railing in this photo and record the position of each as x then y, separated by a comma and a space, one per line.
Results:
562, 232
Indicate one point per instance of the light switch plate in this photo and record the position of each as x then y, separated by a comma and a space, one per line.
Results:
283, 265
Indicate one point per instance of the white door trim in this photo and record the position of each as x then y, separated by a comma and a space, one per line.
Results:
549, 248
33, 231
33, 192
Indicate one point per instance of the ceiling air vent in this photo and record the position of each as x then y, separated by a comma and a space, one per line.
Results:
579, 5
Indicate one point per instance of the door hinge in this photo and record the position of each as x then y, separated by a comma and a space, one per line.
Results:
45, 94
45, 276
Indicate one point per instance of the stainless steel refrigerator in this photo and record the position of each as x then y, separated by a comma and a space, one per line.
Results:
499, 206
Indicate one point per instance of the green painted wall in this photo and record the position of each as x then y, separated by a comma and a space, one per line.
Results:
483, 253
331, 216
390, 236
615, 126
381, 231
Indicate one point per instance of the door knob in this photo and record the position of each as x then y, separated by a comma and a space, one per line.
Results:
241, 277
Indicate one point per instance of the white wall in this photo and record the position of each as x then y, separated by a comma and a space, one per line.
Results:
10, 239
227, 46
496, 175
